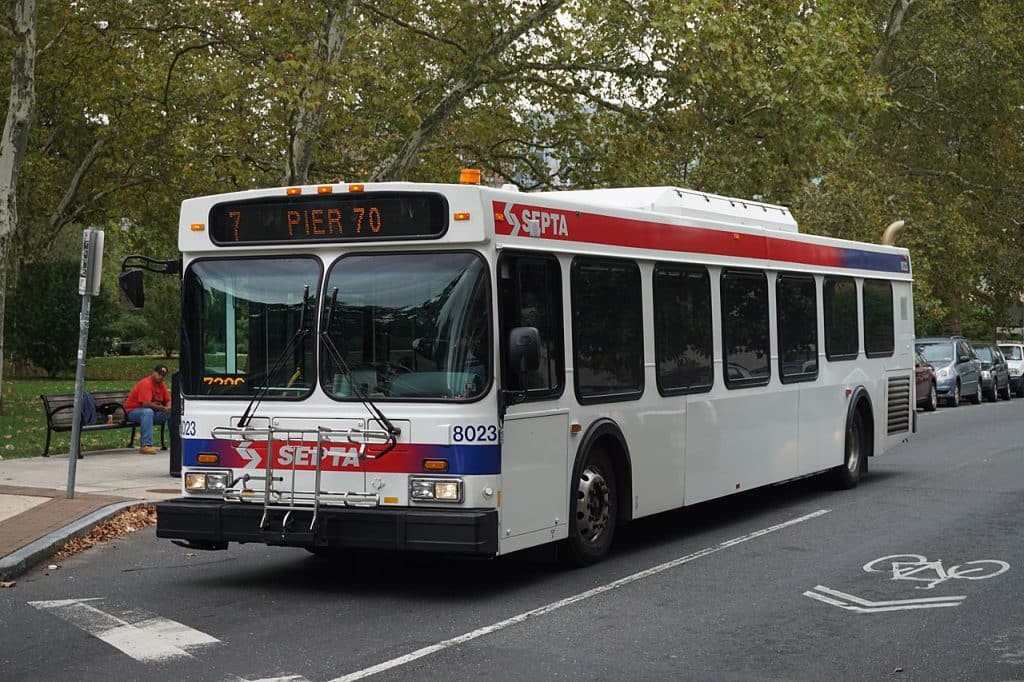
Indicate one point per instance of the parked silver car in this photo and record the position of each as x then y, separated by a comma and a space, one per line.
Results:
957, 368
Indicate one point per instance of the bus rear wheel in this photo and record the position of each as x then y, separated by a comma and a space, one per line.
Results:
848, 474
593, 510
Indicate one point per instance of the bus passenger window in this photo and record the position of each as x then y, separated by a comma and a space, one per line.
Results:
745, 338
840, 302
796, 301
607, 328
879, 339
682, 328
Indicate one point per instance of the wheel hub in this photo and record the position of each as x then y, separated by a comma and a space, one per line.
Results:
592, 505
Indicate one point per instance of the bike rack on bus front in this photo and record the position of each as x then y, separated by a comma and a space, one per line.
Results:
292, 500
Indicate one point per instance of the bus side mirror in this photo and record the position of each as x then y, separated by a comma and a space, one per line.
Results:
130, 285
523, 352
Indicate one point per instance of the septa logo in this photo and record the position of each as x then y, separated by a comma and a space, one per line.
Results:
302, 456
536, 222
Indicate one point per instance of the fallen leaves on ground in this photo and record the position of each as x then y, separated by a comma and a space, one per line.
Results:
124, 522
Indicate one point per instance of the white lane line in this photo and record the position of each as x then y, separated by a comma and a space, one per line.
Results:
554, 606
140, 634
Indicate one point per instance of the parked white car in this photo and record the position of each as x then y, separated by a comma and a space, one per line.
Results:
1014, 353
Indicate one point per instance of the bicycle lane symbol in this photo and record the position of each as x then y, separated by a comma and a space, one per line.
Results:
913, 567
916, 567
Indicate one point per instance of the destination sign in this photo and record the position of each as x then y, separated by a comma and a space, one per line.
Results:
366, 216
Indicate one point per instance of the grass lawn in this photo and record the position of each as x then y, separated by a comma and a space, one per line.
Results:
23, 422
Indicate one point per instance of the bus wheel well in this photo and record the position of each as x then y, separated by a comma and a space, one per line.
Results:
868, 420
606, 436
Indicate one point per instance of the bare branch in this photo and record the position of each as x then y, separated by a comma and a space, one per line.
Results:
472, 77
967, 184
59, 211
371, 7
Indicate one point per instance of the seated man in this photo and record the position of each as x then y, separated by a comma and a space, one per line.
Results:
147, 404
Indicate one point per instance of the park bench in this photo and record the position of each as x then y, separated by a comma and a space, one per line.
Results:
60, 411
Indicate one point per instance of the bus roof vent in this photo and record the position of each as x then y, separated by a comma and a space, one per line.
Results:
688, 203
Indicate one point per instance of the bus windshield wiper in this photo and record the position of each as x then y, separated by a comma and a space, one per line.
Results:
300, 334
371, 407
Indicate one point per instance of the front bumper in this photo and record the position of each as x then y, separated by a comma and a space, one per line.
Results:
212, 524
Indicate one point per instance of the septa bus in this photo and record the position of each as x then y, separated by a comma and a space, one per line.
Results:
473, 370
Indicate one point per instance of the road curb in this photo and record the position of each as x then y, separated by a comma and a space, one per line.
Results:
22, 560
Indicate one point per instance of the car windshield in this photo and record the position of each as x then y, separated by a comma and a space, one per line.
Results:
937, 352
984, 353
1011, 352
407, 326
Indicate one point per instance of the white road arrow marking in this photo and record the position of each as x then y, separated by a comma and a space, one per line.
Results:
851, 603
142, 635
252, 457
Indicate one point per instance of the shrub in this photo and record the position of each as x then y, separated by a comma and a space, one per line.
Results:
43, 316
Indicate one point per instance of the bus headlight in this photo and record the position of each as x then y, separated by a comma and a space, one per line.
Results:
207, 481
436, 489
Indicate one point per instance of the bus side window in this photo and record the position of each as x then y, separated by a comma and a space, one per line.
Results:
530, 295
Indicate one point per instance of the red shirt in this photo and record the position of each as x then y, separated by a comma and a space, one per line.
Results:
147, 391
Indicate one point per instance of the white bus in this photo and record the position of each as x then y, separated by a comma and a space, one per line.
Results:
466, 369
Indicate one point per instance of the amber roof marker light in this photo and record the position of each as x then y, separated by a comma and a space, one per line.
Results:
469, 176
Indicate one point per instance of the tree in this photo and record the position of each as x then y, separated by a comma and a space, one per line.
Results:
945, 154
20, 26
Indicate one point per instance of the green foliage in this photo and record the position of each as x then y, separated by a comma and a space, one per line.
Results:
44, 312
163, 313
944, 155
810, 104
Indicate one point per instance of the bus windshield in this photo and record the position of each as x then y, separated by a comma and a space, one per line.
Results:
407, 326
241, 321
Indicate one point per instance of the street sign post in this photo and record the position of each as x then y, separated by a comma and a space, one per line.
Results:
89, 273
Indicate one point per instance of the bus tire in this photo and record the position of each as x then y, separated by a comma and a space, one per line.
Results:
847, 475
593, 511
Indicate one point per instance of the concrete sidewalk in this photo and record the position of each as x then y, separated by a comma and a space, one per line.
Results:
36, 518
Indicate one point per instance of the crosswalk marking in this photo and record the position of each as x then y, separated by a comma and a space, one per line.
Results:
142, 635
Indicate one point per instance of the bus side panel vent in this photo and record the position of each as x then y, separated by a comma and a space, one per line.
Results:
899, 405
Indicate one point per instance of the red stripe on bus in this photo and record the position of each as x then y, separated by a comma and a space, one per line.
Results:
561, 225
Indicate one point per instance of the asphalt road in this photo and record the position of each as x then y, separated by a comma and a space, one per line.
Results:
769, 584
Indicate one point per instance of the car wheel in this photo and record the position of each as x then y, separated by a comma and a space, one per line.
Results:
1020, 388
990, 395
954, 397
933, 399
976, 398
1006, 393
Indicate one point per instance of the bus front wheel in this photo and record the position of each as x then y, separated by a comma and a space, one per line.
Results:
593, 510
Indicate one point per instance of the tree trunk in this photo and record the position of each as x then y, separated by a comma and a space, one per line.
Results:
20, 108
312, 109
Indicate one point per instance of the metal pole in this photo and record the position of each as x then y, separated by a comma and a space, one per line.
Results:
76, 420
